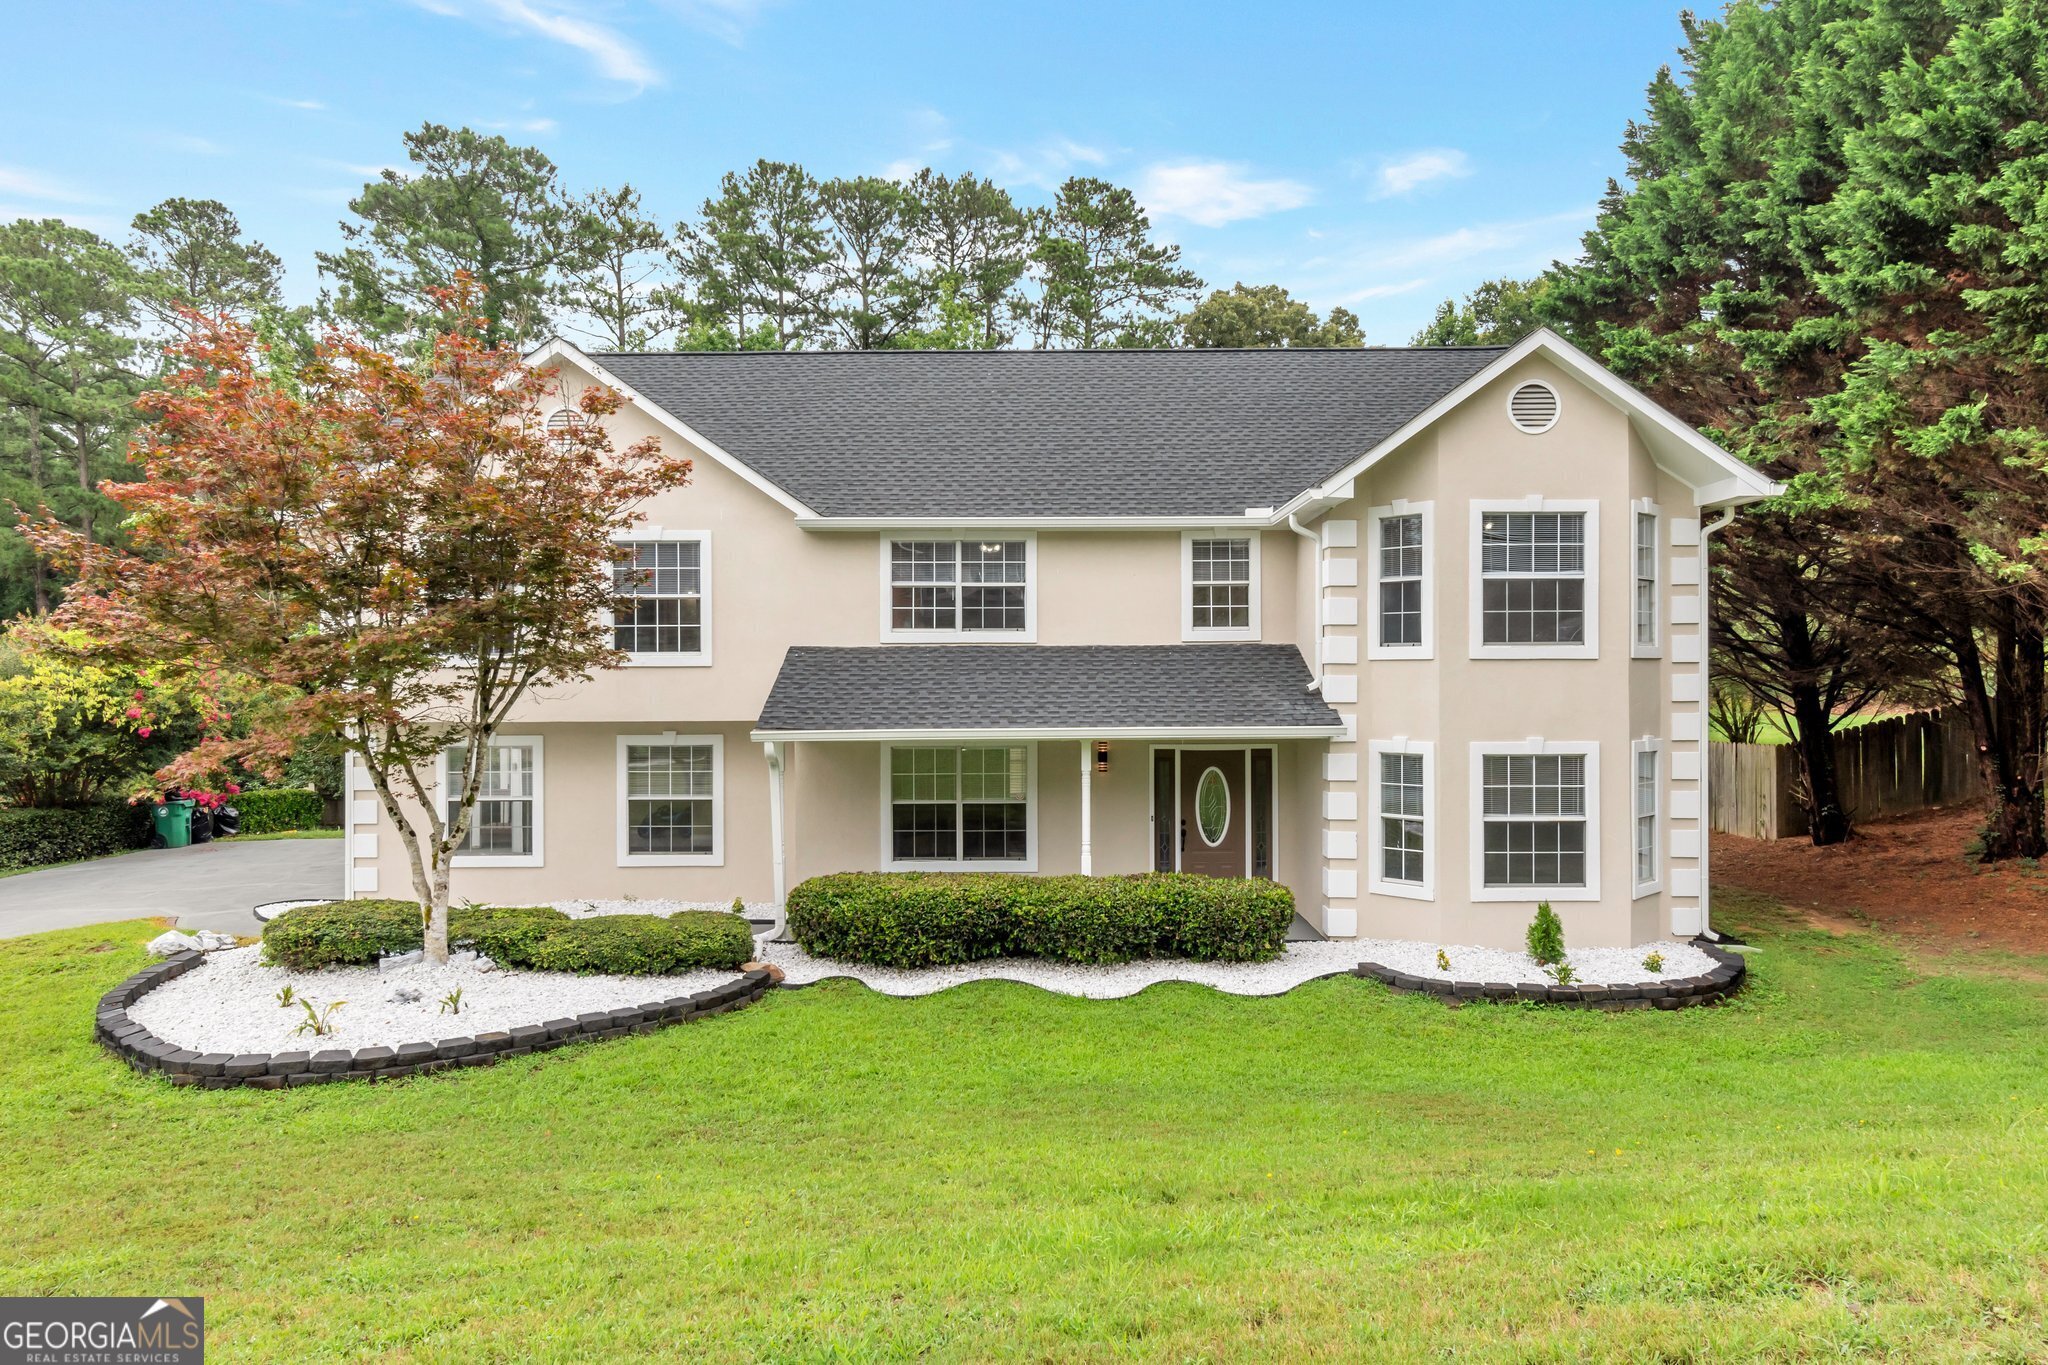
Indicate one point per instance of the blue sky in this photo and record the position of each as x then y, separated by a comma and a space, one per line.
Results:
1378, 155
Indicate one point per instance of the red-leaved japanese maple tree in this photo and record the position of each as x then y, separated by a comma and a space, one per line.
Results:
408, 547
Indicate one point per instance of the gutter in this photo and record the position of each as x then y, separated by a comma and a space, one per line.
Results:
1315, 666
1706, 728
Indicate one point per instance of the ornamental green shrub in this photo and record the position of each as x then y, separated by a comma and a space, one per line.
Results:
928, 919
273, 810
35, 836
341, 933
1546, 936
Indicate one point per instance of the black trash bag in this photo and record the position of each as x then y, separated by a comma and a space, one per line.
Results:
227, 821
202, 826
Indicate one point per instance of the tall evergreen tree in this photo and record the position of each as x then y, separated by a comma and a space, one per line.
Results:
1102, 279
875, 296
191, 256
757, 256
1266, 315
615, 277
971, 232
476, 204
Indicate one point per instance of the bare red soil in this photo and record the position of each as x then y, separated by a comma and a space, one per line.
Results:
1910, 875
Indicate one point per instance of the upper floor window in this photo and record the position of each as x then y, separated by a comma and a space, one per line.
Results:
1219, 586
978, 588
1643, 620
666, 576
1537, 580
1397, 556
505, 823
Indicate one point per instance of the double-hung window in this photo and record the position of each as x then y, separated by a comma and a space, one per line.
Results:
1402, 857
1537, 577
664, 579
1219, 586
1646, 809
978, 589
1643, 606
959, 806
670, 795
1537, 811
505, 824
1397, 556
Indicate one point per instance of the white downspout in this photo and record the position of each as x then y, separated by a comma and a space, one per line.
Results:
1315, 668
773, 749
1087, 813
1706, 727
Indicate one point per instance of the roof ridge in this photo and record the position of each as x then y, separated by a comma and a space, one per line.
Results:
1071, 351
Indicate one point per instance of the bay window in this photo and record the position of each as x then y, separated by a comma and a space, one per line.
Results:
1537, 809
1536, 580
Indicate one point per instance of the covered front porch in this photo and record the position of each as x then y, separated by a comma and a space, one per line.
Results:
1047, 759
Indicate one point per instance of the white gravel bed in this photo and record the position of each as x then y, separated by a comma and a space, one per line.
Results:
1300, 962
230, 1003
588, 908
1590, 966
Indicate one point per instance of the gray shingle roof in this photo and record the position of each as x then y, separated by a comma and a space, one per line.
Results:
981, 687
1047, 433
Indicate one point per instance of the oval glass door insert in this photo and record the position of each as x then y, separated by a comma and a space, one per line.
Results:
1212, 807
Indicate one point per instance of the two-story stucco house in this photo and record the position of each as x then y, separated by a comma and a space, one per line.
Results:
1418, 633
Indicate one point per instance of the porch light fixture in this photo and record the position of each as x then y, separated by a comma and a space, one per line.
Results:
1102, 755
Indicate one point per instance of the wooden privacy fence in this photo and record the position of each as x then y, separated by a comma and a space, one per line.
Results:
1888, 767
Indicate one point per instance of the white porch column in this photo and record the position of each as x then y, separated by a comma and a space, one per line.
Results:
1087, 813
773, 748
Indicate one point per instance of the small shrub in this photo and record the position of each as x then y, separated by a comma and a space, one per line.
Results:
318, 1021
921, 919
1654, 962
1443, 960
1564, 974
310, 937
275, 810
532, 936
1546, 936
36, 836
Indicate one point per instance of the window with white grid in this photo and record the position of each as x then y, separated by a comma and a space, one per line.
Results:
1645, 794
1220, 583
1532, 568
1645, 603
669, 799
959, 805
1400, 581
664, 582
1533, 808
959, 587
1401, 818
504, 823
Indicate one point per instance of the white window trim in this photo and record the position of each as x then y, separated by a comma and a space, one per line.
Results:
1589, 648
537, 858
1189, 632
715, 858
701, 657
1476, 795
957, 636
1655, 648
1376, 882
1401, 507
1647, 745
1028, 863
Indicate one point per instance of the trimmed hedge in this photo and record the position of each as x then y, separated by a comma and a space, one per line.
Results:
274, 810
931, 919
535, 937
34, 836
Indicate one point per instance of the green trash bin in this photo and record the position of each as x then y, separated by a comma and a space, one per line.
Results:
173, 821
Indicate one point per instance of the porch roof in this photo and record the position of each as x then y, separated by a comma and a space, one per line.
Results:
1237, 691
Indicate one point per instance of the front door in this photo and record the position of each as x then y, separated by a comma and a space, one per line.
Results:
1214, 811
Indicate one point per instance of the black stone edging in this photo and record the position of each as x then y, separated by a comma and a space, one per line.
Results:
1670, 994
146, 1052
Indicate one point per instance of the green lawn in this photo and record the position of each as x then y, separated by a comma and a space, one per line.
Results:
1847, 1162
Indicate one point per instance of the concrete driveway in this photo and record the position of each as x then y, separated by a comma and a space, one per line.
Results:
208, 886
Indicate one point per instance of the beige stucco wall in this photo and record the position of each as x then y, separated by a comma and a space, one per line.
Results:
774, 584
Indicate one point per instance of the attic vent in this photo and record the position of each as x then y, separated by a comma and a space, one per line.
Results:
561, 422
1533, 408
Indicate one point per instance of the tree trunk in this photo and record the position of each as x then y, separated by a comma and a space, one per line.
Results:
1813, 732
85, 517
2010, 741
37, 574
437, 916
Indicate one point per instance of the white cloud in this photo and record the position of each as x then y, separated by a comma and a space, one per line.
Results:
614, 56
1381, 291
35, 185
1046, 164
294, 104
1407, 174
189, 143
725, 20
521, 125
1212, 193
